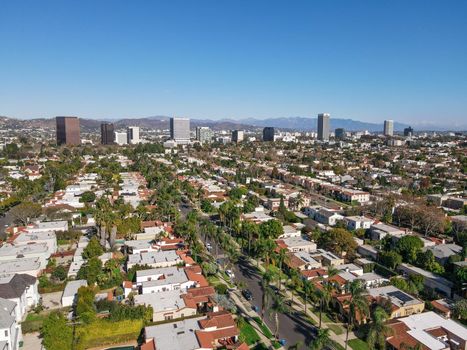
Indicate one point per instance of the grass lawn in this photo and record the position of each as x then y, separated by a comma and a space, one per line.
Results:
260, 346
248, 333
335, 328
358, 344
276, 344
213, 280
264, 328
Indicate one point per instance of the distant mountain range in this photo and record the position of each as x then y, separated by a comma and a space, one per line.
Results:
162, 122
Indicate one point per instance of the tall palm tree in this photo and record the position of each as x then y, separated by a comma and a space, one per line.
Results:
308, 289
379, 331
281, 257
322, 340
325, 293
267, 291
277, 306
358, 305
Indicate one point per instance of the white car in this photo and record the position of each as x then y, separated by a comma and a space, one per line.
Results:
229, 273
208, 246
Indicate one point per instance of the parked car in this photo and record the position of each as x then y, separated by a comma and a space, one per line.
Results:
247, 294
208, 246
229, 273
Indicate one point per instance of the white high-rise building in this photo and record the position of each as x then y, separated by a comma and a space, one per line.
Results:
238, 136
121, 138
180, 130
388, 127
323, 126
132, 133
204, 134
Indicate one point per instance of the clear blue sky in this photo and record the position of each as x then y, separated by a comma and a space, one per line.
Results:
366, 60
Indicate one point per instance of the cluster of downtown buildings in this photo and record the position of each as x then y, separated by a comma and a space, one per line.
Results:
68, 132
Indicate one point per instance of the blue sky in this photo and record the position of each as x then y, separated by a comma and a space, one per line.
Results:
366, 60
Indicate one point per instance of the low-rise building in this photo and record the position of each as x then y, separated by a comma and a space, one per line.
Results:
21, 289
296, 244
71, 291
429, 330
431, 281
358, 222
154, 259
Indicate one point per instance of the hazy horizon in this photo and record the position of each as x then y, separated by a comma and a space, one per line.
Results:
366, 60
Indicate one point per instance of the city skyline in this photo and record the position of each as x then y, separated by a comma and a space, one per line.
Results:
376, 61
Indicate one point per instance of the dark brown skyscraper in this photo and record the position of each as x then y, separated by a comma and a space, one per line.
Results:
68, 131
107, 133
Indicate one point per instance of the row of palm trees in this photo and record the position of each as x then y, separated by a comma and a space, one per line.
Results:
357, 305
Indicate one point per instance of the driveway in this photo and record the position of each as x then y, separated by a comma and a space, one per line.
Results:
31, 341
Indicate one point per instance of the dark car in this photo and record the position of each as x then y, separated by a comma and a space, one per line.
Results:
247, 294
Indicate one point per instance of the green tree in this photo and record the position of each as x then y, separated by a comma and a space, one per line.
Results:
378, 331
409, 247
84, 307
322, 340
271, 229
460, 310
93, 249
56, 335
91, 271
339, 240
59, 273
88, 197
390, 259
357, 306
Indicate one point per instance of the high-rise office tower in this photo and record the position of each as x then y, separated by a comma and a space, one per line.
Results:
68, 131
388, 127
237, 136
107, 134
204, 134
268, 133
339, 133
132, 133
180, 130
323, 126
408, 132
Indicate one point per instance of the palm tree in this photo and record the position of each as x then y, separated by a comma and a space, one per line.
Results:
277, 306
267, 291
378, 329
308, 289
358, 306
322, 340
282, 257
325, 293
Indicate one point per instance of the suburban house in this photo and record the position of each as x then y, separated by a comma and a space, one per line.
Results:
22, 289
296, 244
10, 326
154, 259
358, 222
431, 281
428, 329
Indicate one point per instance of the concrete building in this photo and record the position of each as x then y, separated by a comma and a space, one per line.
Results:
339, 133
180, 130
268, 133
68, 132
429, 330
388, 128
121, 138
237, 136
107, 133
204, 134
323, 126
408, 132
431, 281
10, 326
71, 290
132, 134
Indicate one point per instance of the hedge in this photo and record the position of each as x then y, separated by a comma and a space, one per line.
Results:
103, 332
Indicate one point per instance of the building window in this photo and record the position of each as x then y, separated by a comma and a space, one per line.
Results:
6, 333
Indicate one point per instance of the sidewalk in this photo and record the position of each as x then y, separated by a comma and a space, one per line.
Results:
301, 307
